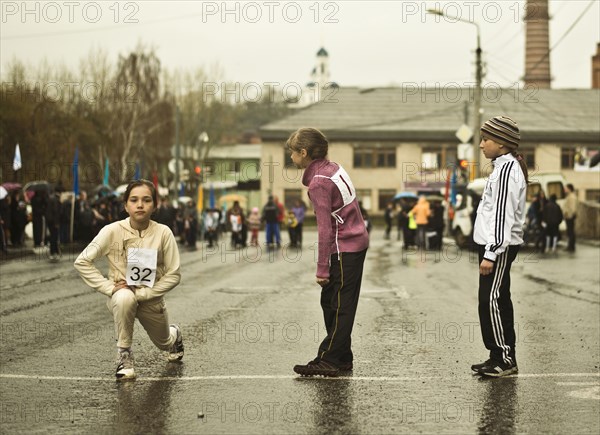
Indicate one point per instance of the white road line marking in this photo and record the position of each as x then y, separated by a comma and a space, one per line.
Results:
578, 384
278, 377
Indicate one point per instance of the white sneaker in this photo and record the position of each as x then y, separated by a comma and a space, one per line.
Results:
176, 351
125, 366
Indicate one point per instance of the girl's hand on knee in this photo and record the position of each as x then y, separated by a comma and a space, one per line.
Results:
121, 284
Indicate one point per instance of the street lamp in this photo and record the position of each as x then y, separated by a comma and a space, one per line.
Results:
477, 102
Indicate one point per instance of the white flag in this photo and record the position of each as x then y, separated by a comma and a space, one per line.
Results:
17, 160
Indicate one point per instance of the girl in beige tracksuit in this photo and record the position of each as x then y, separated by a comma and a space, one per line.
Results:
143, 266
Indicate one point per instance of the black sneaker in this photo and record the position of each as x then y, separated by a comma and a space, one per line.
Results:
497, 369
317, 368
346, 366
477, 367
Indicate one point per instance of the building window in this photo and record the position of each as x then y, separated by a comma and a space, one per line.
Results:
567, 158
529, 156
287, 158
592, 195
431, 158
556, 188
229, 166
385, 197
374, 157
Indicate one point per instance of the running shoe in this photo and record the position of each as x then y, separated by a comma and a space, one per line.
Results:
125, 364
176, 351
320, 368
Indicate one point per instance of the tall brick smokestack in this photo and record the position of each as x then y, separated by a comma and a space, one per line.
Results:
596, 69
537, 45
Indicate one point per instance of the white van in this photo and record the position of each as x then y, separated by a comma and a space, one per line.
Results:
466, 207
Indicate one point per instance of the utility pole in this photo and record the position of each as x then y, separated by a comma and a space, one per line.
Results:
476, 171
177, 151
477, 115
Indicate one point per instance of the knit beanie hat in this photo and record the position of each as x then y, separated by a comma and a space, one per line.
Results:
503, 130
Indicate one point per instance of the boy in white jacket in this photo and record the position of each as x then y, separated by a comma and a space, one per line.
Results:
144, 265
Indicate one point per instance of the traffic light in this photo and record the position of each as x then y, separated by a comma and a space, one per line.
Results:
198, 170
463, 164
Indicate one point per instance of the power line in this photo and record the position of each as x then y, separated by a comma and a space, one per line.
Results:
564, 35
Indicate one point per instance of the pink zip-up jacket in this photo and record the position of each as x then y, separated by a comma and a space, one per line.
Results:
352, 234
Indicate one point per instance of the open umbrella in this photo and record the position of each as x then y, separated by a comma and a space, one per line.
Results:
102, 190
3, 193
431, 198
37, 186
405, 195
231, 198
10, 186
184, 199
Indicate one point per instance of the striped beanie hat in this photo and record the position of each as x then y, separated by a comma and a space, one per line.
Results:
503, 130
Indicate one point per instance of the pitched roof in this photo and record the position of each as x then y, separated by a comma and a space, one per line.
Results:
421, 114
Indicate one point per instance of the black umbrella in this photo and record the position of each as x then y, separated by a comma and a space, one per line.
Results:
102, 190
37, 186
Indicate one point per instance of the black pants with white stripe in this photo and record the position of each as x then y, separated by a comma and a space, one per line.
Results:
495, 307
339, 300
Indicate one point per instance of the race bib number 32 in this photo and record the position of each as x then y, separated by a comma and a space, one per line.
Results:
141, 266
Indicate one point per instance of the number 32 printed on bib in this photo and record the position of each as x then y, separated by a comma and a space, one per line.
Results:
141, 266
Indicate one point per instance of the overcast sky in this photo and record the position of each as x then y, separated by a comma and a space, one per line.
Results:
369, 43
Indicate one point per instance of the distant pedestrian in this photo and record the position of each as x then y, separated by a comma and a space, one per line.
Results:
18, 219
211, 225
570, 214
499, 234
84, 219
421, 212
190, 224
552, 217
292, 224
342, 248
53, 218
534, 220
39, 202
436, 225
143, 267
254, 226
388, 217
165, 213
270, 217
299, 210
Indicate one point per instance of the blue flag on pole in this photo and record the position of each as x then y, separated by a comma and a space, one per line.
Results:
211, 200
76, 172
106, 173
453, 187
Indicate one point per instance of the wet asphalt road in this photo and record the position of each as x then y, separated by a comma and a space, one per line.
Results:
248, 319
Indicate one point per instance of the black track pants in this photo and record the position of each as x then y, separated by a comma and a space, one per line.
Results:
495, 307
339, 300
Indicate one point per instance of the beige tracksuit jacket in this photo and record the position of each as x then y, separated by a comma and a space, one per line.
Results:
113, 241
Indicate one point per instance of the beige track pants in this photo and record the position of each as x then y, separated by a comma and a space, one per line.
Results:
152, 315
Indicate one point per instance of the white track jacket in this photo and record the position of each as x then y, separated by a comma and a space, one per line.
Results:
501, 212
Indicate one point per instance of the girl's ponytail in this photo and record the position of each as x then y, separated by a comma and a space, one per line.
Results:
522, 163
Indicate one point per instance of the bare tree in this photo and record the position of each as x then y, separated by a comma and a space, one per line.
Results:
140, 111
